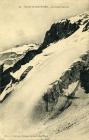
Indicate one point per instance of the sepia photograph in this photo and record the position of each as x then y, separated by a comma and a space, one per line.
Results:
44, 70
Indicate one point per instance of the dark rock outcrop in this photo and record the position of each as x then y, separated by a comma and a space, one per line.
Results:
24, 74
5, 79
84, 78
1, 72
86, 27
59, 31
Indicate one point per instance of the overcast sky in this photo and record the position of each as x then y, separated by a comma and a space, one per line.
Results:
19, 24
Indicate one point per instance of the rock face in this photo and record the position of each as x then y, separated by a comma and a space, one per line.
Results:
1, 69
1, 72
84, 78
86, 27
54, 101
24, 74
59, 31
78, 72
6, 78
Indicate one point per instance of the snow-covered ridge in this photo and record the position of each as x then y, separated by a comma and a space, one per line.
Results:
60, 30
21, 49
82, 17
40, 83
11, 56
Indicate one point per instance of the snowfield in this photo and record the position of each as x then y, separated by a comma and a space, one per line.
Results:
16, 111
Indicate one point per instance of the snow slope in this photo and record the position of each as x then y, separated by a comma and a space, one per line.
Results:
16, 111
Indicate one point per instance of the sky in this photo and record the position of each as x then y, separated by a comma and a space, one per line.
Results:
21, 23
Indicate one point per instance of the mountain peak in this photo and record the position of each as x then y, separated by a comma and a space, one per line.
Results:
48, 80
64, 28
